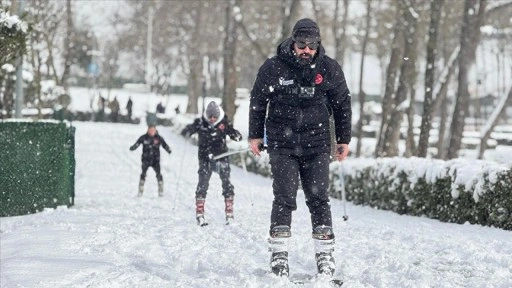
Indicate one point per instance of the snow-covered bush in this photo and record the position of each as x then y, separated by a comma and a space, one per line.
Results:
458, 191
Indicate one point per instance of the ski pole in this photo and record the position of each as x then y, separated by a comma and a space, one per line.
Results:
342, 187
343, 198
179, 175
242, 159
225, 154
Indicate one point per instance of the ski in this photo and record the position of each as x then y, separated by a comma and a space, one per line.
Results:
332, 282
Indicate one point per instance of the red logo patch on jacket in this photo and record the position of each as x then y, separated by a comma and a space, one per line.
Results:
318, 79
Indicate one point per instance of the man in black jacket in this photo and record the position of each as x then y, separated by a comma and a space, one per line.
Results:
151, 142
212, 130
293, 96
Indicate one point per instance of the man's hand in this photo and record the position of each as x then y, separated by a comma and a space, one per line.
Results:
169, 151
255, 145
341, 151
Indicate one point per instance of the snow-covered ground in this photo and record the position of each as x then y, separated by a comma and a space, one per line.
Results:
111, 238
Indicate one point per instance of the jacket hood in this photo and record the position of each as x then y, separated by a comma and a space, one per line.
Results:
221, 115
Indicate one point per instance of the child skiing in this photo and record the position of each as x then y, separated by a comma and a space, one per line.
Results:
212, 129
151, 142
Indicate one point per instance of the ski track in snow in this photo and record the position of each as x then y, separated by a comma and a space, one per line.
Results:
111, 238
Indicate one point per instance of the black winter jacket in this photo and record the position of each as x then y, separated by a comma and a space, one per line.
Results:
212, 137
151, 147
298, 118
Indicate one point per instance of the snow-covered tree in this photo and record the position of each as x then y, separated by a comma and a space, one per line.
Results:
13, 33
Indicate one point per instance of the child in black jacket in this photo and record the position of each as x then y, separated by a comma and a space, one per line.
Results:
212, 130
151, 142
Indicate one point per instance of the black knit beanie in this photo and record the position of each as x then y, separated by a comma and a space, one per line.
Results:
306, 30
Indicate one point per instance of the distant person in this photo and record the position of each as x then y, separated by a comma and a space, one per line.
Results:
129, 106
160, 108
151, 142
177, 110
114, 109
292, 98
101, 103
101, 108
212, 130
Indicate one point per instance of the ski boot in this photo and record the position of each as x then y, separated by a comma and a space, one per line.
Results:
278, 245
324, 245
161, 188
229, 209
200, 212
141, 188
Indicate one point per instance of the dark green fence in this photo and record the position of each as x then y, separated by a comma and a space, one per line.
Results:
37, 166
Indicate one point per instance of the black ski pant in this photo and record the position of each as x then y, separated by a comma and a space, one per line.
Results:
151, 163
220, 166
313, 171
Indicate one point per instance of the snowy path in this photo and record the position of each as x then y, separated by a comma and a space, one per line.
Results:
111, 238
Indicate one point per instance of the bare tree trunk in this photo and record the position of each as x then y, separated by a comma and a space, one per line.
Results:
406, 83
67, 46
443, 119
50, 63
316, 10
215, 88
195, 77
410, 144
229, 65
391, 74
35, 60
469, 39
426, 120
341, 44
362, 94
493, 120
339, 37
441, 102
339, 48
288, 15
195, 80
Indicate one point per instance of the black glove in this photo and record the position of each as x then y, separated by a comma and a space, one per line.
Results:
237, 137
169, 151
132, 148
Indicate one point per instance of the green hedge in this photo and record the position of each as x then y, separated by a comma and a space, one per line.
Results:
458, 191
37, 166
